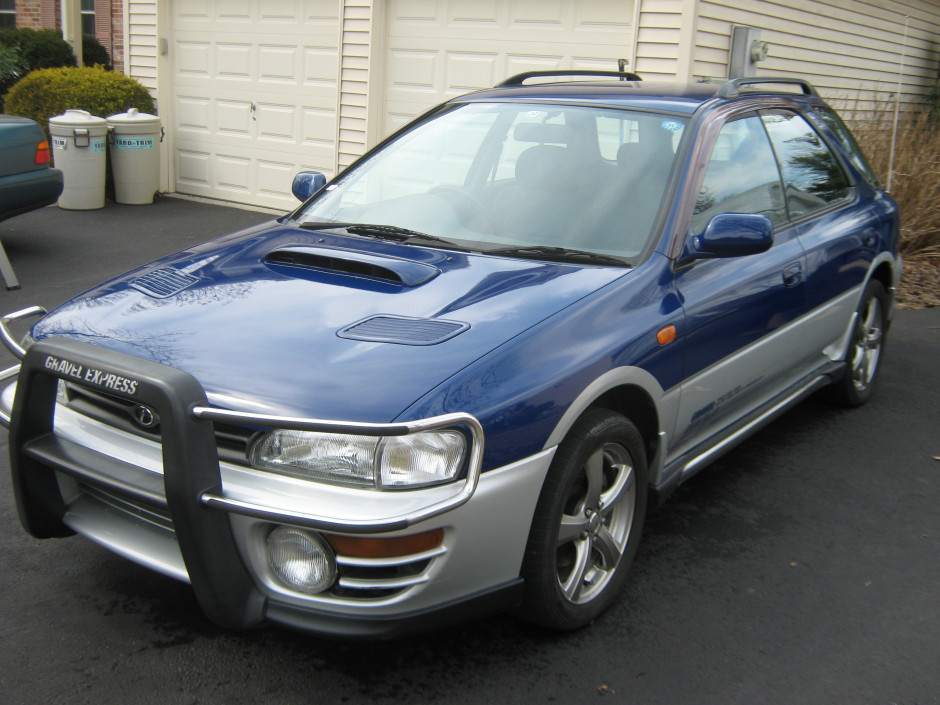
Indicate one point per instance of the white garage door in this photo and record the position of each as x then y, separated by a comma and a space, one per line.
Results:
254, 85
437, 49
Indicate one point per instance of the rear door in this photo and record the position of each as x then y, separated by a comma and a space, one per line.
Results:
838, 232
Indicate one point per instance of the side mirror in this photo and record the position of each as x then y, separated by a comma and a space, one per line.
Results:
307, 183
731, 235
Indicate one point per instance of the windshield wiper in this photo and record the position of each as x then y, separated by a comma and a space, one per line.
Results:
558, 254
392, 232
383, 232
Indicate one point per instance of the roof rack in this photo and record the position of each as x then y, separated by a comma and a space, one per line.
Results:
520, 78
732, 88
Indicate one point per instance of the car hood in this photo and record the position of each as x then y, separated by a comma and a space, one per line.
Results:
281, 320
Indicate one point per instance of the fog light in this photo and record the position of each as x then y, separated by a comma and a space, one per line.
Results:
301, 559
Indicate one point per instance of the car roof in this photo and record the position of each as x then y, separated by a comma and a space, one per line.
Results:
681, 98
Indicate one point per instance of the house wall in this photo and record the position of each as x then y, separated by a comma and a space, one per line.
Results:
852, 50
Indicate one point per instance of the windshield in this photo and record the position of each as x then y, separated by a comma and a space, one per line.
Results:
509, 175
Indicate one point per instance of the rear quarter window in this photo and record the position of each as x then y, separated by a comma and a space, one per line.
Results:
847, 142
813, 178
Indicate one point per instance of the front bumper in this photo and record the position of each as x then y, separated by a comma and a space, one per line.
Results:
174, 507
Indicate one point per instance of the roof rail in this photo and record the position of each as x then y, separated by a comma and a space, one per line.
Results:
732, 88
520, 78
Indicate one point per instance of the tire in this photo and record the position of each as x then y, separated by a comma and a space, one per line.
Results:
865, 349
587, 522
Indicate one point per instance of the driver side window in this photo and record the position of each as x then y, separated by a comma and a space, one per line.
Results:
741, 177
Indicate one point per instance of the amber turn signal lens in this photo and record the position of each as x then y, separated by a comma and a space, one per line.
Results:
358, 547
666, 335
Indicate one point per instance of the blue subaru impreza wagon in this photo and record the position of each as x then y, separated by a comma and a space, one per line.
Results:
454, 379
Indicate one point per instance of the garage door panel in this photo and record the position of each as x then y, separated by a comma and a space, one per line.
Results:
271, 179
192, 114
192, 58
233, 61
483, 12
234, 173
278, 123
466, 71
192, 167
321, 65
414, 68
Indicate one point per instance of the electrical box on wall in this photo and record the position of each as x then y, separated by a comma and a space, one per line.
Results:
747, 50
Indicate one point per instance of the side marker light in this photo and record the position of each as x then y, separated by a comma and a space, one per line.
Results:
666, 335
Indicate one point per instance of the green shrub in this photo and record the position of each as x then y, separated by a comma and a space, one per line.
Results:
94, 53
50, 92
12, 68
42, 48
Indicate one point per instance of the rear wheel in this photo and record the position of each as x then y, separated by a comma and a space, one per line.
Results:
864, 355
587, 522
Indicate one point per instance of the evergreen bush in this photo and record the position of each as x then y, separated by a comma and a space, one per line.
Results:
42, 48
49, 92
12, 68
94, 53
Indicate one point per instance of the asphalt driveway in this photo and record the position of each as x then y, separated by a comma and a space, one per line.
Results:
803, 567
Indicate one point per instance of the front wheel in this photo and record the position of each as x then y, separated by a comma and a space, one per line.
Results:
587, 522
865, 349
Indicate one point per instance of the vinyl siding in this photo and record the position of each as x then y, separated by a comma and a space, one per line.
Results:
850, 49
356, 31
664, 33
141, 43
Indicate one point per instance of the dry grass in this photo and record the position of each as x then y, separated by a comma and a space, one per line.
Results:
915, 181
915, 185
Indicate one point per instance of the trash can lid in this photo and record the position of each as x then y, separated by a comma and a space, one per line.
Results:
77, 118
133, 116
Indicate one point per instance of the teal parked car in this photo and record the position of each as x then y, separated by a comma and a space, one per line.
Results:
27, 179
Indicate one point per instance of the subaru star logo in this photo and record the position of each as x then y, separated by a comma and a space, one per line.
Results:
145, 417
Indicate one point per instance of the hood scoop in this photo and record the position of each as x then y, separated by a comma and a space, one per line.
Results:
163, 283
356, 264
403, 330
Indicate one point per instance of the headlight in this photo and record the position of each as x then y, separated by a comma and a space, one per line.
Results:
395, 462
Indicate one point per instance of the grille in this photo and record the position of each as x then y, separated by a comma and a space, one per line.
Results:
232, 441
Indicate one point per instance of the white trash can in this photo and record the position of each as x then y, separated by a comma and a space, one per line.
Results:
79, 144
135, 156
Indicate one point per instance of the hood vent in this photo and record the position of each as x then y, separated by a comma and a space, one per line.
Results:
402, 330
163, 283
356, 264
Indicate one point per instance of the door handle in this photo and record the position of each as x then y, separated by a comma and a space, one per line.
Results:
793, 274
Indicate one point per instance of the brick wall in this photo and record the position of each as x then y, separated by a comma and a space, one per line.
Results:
28, 14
